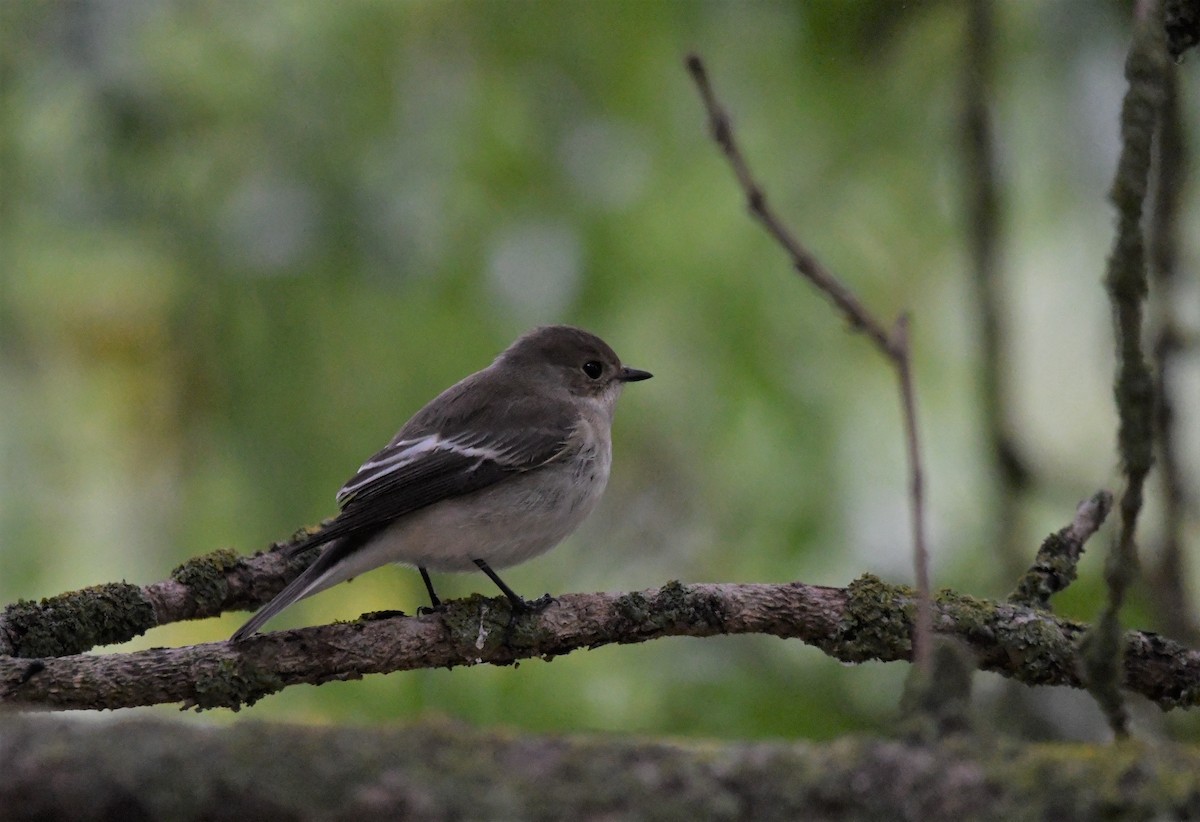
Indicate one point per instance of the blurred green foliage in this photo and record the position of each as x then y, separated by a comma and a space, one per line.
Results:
242, 242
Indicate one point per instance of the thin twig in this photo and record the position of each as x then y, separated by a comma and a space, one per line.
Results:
893, 345
908, 398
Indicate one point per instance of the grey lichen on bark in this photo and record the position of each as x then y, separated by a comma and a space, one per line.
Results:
76, 621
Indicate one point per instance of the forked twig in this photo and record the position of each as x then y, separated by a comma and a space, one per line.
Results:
893, 344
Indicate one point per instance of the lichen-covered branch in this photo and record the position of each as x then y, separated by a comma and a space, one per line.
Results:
1054, 567
116, 612
868, 620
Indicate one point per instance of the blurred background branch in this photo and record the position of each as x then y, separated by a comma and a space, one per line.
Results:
1169, 573
1126, 280
984, 208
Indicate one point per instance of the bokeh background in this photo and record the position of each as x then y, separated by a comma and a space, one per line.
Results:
243, 241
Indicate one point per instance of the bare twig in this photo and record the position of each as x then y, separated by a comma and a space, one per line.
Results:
1134, 385
806, 264
894, 344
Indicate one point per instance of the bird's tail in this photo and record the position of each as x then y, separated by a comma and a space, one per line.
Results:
314, 578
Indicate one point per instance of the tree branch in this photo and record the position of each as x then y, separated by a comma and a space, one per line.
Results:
868, 620
116, 612
1054, 568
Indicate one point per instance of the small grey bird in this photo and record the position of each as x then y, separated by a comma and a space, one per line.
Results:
497, 469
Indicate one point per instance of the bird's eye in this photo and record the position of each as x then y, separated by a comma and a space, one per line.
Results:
593, 369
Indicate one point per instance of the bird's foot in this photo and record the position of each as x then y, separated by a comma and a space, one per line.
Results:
520, 607
536, 606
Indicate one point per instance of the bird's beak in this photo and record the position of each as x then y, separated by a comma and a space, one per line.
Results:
634, 374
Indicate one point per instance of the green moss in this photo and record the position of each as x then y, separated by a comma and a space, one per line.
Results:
487, 624
77, 621
527, 632
1036, 645
675, 604
876, 623
207, 578
969, 614
232, 684
634, 608
1037, 650
1053, 571
1094, 781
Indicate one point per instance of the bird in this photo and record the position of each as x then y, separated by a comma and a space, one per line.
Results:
497, 469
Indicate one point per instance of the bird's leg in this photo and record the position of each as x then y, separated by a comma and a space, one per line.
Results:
519, 604
435, 602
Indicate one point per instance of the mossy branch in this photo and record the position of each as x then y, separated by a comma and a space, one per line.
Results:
1055, 566
868, 620
116, 612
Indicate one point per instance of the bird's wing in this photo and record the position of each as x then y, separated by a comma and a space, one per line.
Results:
412, 473
435, 459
